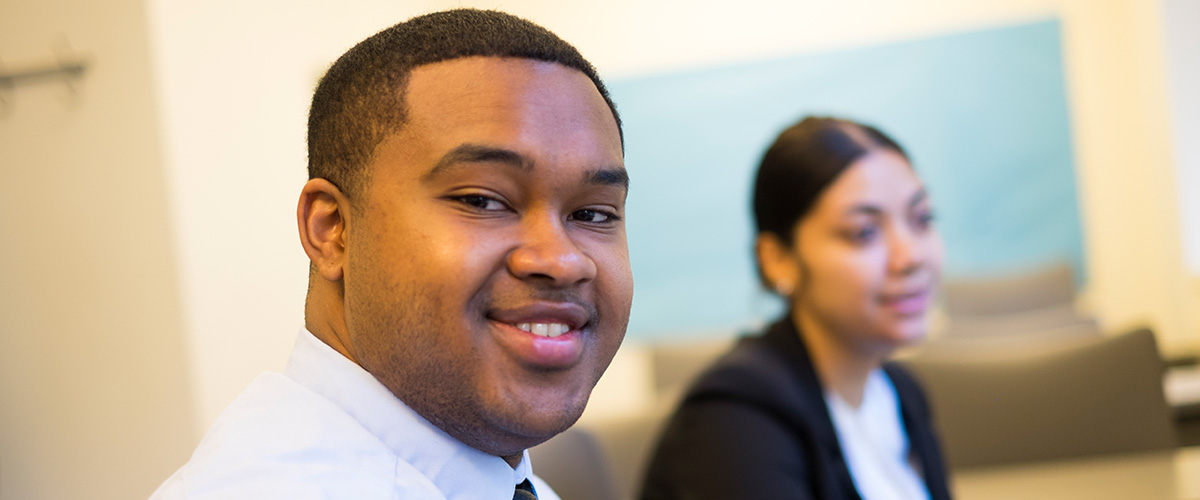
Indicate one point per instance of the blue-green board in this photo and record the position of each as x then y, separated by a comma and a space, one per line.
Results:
982, 114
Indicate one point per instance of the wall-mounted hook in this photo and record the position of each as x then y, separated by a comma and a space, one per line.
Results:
68, 68
6, 94
66, 58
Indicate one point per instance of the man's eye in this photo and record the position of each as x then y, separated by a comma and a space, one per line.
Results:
594, 216
481, 202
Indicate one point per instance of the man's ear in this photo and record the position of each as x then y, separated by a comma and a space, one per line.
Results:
323, 216
777, 263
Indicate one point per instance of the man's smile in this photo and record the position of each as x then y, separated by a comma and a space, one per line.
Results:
545, 329
542, 334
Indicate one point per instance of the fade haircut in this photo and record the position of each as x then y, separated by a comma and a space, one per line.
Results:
360, 100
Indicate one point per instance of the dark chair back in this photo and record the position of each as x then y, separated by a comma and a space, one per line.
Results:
996, 404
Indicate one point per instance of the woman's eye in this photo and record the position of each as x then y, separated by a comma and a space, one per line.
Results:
923, 220
863, 235
594, 216
481, 202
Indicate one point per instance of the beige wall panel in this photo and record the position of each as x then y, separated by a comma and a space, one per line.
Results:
94, 401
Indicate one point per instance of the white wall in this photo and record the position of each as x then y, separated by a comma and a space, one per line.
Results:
1183, 77
1180, 18
94, 401
1183, 74
1117, 88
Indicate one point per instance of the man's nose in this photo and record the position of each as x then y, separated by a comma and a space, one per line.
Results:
546, 252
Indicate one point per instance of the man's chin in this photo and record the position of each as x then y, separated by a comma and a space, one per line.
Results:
518, 431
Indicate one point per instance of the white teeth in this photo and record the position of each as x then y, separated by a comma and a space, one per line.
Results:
545, 329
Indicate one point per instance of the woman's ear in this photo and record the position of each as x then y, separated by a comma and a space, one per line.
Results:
777, 263
323, 216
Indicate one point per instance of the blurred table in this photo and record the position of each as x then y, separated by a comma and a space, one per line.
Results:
1166, 475
1181, 386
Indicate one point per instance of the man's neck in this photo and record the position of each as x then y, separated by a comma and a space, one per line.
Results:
324, 318
514, 460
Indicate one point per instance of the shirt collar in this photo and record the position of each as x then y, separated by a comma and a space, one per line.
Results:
440, 457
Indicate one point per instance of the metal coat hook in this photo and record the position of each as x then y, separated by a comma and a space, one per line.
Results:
68, 69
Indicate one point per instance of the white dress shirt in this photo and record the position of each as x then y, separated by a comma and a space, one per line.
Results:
327, 429
874, 442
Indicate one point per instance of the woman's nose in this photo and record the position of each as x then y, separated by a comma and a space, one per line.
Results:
906, 251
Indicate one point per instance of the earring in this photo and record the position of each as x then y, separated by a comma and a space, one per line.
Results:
784, 288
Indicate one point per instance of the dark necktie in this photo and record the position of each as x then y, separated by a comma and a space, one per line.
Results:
525, 491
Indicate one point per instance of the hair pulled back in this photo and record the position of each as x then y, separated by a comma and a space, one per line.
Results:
802, 162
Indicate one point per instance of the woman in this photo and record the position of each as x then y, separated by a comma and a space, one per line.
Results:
811, 408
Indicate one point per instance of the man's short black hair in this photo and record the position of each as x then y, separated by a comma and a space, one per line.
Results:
360, 100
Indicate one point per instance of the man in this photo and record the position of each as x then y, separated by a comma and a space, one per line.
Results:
470, 277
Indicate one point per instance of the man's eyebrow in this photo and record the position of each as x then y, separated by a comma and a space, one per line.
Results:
465, 154
613, 176
477, 153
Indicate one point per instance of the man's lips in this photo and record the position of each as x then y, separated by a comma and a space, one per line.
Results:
548, 329
569, 314
542, 334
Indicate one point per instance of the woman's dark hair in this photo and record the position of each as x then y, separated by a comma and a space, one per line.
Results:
804, 160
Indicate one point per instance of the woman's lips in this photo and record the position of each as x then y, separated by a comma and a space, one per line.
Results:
908, 304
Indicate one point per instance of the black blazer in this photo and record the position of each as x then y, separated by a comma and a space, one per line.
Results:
755, 426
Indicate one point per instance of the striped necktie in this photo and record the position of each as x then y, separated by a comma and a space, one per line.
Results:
525, 491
